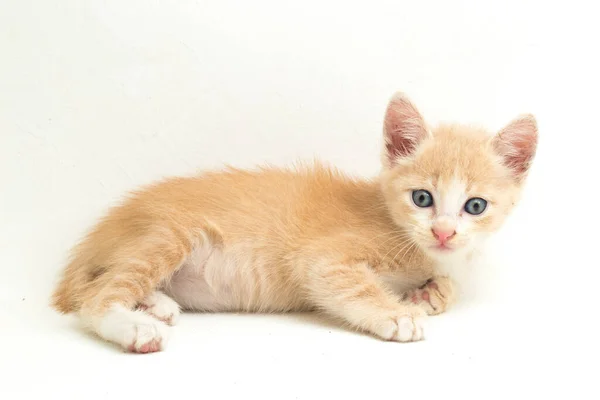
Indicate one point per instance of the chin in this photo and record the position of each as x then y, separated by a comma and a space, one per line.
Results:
445, 253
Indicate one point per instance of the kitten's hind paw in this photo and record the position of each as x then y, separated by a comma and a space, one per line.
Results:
135, 331
162, 307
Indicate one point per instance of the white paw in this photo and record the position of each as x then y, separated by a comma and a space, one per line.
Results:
410, 329
135, 331
162, 307
406, 326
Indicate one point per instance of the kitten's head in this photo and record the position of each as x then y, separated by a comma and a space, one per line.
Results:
453, 185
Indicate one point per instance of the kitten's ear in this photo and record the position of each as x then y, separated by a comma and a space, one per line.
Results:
403, 130
517, 144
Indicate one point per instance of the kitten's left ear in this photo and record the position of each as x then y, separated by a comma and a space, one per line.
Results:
517, 144
404, 129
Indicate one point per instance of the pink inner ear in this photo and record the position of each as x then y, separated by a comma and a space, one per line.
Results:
400, 144
521, 158
404, 128
517, 144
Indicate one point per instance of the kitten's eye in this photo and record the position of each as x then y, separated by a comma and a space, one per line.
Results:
422, 198
475, 206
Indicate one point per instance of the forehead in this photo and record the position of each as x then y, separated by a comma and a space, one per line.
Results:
459, 160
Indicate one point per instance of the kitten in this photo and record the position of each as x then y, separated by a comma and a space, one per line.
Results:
277, 240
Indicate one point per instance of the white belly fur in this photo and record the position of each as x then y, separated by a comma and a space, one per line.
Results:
232, 279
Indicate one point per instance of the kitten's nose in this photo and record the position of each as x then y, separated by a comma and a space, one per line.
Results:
444, 229
443, 235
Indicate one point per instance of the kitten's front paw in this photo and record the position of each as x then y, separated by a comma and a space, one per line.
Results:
404, 326
162, 307
435, 296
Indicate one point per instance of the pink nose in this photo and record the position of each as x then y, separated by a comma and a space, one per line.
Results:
443, 235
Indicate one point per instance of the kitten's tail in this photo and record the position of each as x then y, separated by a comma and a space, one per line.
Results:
72, 283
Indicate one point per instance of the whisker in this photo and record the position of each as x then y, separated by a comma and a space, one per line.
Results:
400, 238
380, 235
395, 247
408, 250
405, 244
411, 257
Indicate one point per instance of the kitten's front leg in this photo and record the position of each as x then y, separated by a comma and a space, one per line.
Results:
435, 296
353, 293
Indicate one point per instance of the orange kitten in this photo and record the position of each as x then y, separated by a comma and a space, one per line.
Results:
277, 240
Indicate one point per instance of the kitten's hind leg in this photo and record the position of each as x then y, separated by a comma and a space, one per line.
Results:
108, 307
354, 293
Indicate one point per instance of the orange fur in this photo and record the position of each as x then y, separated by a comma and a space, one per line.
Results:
295, 239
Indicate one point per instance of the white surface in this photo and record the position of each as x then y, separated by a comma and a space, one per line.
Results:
100, 96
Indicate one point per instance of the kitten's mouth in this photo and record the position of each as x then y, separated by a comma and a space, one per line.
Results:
443, 248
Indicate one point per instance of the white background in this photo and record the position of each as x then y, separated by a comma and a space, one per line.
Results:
100, 96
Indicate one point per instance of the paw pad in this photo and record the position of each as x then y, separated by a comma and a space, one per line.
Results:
434, 295
150, 347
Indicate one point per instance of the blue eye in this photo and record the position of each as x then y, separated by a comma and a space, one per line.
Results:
475, 206
422, 198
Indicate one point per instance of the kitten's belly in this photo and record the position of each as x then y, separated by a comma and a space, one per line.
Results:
231, 280
191, 291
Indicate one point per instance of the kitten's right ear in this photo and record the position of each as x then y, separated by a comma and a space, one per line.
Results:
517, 144
404, 128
